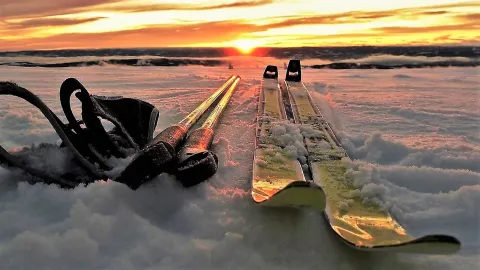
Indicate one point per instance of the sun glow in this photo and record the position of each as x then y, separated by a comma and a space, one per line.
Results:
246, 46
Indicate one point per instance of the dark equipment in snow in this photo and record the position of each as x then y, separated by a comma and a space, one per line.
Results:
160, 154
92, 146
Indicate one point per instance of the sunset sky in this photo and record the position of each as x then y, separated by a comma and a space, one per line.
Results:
33, 24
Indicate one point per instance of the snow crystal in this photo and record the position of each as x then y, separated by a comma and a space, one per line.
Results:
278, 130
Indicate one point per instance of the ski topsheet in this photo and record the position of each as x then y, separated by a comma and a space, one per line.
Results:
278, 178
359, 222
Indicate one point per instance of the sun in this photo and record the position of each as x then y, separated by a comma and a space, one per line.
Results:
245, 46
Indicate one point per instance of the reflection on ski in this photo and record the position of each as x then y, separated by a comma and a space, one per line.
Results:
266, 183
371, 226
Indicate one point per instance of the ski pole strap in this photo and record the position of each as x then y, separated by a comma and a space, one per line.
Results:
134, 123
69, 138
134, 119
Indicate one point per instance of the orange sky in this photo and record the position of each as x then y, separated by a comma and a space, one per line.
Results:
33, 24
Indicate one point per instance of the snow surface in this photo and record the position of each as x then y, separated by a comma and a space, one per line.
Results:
414, 135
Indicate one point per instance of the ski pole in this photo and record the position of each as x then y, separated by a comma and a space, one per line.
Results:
196, 162
159, 155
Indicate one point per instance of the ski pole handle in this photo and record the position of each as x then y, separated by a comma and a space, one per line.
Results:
198, 141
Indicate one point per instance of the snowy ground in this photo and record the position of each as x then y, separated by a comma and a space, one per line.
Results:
414, 133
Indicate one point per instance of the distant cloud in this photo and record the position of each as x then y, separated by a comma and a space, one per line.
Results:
33, 23
427, 29
33, 8
437, 12
27, 8
172, 6
365, 16
472, 17
154, 36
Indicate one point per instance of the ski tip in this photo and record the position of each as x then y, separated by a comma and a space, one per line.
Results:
271, 72
437, 244
429, 245
438, 238
297, 194
294, 72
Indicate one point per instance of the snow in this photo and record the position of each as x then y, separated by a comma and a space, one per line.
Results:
398, 60
288, 136
413, 134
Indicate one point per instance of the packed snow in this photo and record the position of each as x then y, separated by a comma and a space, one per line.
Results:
413, 135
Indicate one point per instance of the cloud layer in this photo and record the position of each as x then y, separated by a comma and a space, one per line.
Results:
114, 23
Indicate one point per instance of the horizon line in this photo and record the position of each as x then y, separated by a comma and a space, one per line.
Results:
234, 48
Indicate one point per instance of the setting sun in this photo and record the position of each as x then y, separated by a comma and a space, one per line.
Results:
245, 46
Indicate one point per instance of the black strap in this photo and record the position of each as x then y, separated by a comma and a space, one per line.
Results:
134, 119
134, 122
69, 138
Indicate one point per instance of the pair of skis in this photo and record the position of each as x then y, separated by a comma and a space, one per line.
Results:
317, 180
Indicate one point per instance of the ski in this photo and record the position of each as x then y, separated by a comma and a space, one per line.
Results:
361, 224
278, 178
